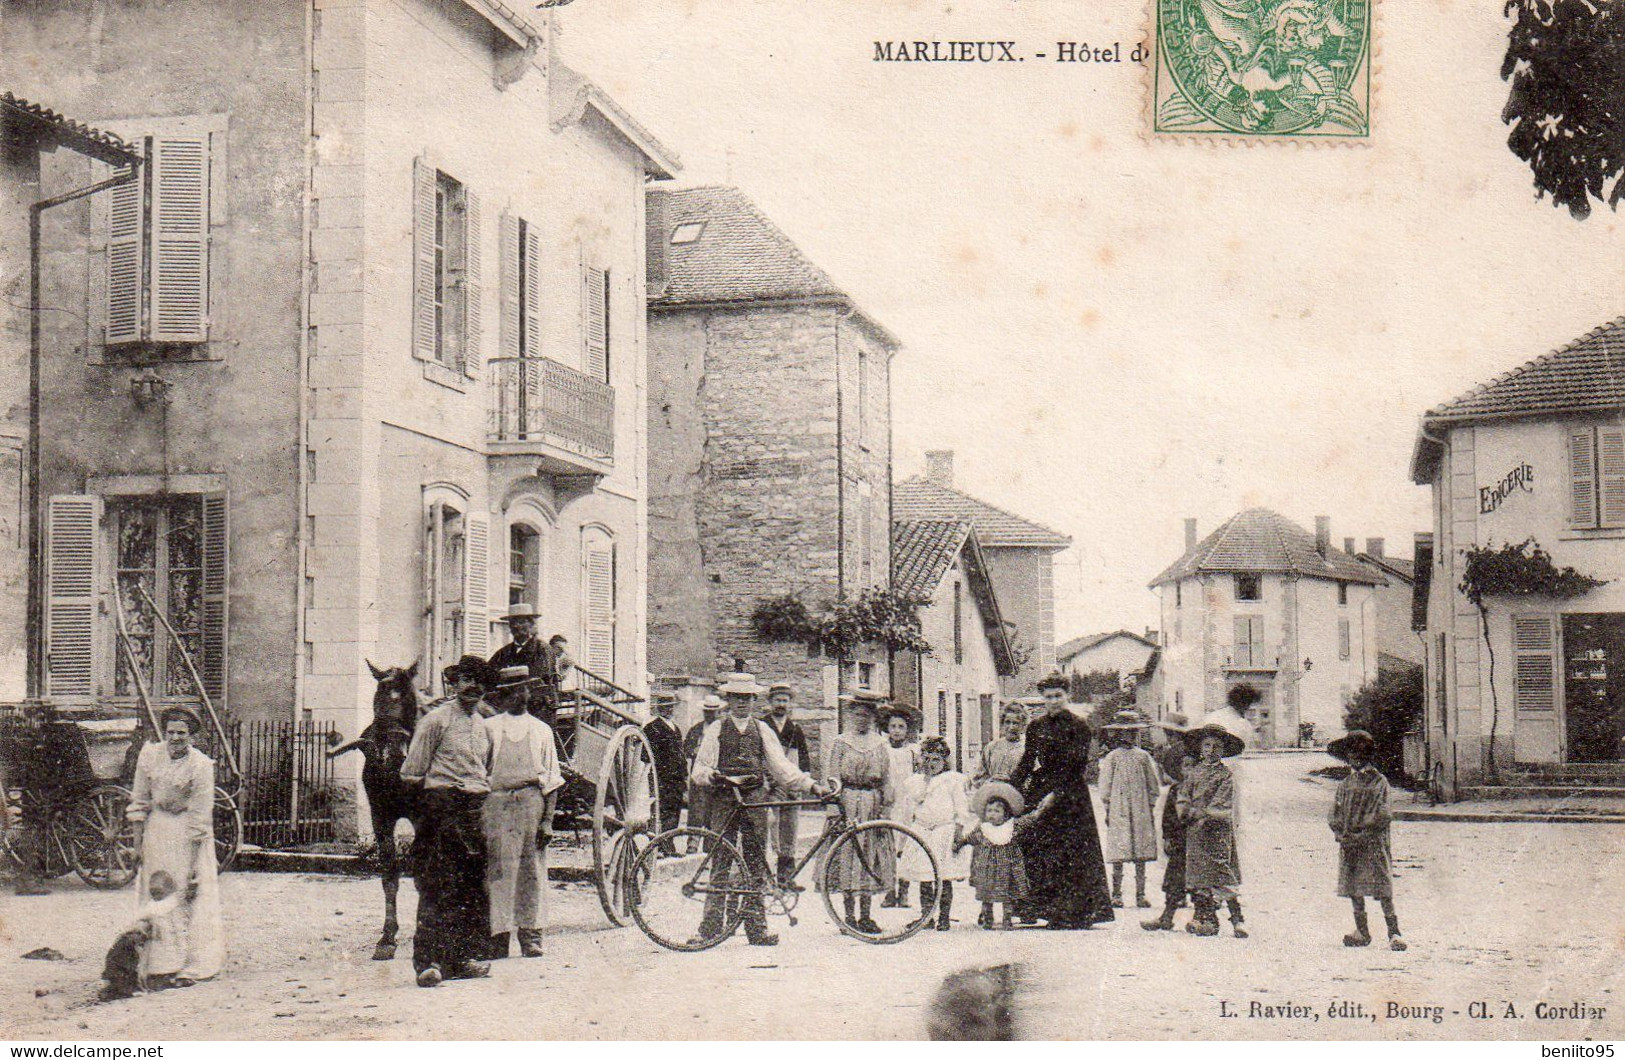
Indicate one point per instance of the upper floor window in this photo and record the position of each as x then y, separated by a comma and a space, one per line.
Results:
1179, 594
446, 295
1343, 593
1249, 587
1596, 477
1343, 638
959, 624
521, 287
1248, 650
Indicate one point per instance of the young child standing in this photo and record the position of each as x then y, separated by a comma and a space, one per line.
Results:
1128, 792
934, 804
998, 872
153, 921
1174, 758
903, 753
1359, 820
1207, 805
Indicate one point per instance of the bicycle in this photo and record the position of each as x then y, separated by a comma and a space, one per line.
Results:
692, 901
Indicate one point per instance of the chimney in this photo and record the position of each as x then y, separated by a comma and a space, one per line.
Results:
1373, 547
1190, 535
657, 237
1151, 635
939, 467
1348, 545
1323, 534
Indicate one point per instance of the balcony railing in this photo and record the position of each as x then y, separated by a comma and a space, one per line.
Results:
534, 399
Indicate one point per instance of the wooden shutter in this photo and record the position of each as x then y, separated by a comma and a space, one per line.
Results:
72, 527
1611, 476
533, 291
1534, 645
1343, 638
424, 180
595, 318
126, 233
598, 604
1582, 477
473, 288
180, 238
509, 280
216, 594
477, 586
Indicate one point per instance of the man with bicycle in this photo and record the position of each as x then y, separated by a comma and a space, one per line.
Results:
741, 751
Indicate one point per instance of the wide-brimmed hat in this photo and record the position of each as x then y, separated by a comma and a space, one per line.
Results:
863, 697
185, 715
1126, 721
519, 611
1232, 744
711, 703
1175, 722
1340, 747
888, 710
511, 677
741, 684
468, 666
998, 789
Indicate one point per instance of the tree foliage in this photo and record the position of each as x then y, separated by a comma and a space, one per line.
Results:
1519, 570
874, 616
1085, 687
1387, 708
1565, 62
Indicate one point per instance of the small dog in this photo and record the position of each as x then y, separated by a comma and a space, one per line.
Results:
122, 971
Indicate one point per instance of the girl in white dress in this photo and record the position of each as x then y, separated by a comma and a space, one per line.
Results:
934, 804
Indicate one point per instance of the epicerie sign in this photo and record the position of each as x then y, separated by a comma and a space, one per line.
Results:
1521, 477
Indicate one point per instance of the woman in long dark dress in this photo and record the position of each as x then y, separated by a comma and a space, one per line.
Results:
1066, 873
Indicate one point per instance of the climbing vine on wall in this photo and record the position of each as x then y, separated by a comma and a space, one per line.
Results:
874, 616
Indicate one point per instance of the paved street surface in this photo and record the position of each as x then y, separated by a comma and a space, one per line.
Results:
1498, 913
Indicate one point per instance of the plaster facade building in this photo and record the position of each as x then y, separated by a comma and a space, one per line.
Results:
769, 422
303, 471
1263, 602
1122, 651
955, 686
1020, 559
1538, 453
1398, 643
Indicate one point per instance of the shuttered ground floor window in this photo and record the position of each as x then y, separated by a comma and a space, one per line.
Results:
598, 577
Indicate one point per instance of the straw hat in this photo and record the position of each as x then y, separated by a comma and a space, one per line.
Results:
1126, 721
519, 611
741, 684
711, 704
511, 677
1340, 747
864, 697
1000, 790
1233, 745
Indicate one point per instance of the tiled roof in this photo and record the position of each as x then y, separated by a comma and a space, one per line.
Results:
740, 255
1261, 541
1082, 644
919, 498
19, 117
922, 550
1588, 373
1402, 568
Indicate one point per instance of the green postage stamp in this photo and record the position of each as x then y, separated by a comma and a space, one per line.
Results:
1263, 69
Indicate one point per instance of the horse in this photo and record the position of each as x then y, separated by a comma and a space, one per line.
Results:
383, 745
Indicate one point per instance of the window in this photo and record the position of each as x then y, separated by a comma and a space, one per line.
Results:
866, 534
687, 232
866, 675
863, 394
455, 563
447, 307
156, 247
1596, 477
959, 621
595, 322
598, 589
1179, 594
1179, 701
165, 558
1342, 594
524, 566
1249, 587
1249, 644
1343, 635
959, 731
942, 713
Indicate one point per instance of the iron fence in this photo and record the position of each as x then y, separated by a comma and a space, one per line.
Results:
289, 798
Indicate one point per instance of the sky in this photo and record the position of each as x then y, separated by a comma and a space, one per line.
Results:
1114, 333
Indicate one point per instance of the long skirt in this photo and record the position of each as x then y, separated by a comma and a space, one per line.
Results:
1173, 841
868, 865
193, 942
1066, 872
454, 916
515, 871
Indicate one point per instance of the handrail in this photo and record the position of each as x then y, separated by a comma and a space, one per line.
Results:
622, 695
121, 628
197, 682
600, 703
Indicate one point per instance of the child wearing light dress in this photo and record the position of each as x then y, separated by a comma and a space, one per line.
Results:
154, 922
998, 872
934, 804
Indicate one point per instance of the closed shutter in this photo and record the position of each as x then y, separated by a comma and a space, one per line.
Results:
71, 529
126, 232
473, 288
1611, 476
598, 604
180, 238
1343, 638
1582, 478
510, 279
1534, 645
533, 291
216, 594
595, 318
423, 261
477, 587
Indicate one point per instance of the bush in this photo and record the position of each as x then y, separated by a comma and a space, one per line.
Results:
1387, 708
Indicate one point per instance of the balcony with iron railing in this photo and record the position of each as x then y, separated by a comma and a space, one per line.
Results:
543, 409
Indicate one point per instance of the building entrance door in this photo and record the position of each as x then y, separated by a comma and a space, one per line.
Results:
1594, 687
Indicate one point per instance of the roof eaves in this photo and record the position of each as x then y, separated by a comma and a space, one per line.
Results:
574, 92
102, 146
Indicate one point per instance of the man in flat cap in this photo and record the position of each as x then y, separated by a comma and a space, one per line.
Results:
780, 698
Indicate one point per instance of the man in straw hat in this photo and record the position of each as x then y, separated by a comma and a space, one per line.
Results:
671, 765
1209, 808
537, 656
518, 815
449, 758
1128, 794
1359, 820
1174, 758
742, 747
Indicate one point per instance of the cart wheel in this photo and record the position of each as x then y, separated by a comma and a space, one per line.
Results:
98, 838
228, 829
625, 810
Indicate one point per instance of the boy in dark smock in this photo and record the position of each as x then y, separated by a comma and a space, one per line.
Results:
1359, 820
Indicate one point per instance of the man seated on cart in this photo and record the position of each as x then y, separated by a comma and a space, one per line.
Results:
741, 751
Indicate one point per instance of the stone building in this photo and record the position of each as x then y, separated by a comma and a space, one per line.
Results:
303, 470
769, 445
1536, 454
1263, 602
955, 686
1020, 557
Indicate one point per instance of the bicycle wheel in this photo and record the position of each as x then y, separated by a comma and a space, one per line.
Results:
863, 862
100, 842
689, 901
